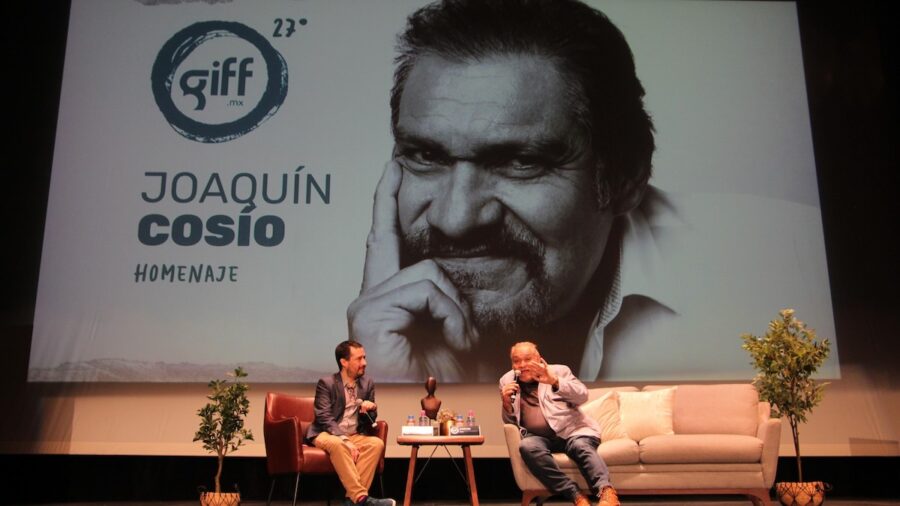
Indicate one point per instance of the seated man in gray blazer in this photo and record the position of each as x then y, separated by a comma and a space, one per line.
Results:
543, 400
345, 419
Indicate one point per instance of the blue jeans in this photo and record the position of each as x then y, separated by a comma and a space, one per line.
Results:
537, 450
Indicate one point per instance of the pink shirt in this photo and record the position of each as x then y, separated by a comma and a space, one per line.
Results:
349, 421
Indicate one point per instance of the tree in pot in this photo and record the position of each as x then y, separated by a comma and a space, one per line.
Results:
222, 429
786, 358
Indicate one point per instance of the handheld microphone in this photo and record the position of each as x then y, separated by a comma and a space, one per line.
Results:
512, 396
358, 406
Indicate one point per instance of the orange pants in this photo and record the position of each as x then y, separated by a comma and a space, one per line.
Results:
356, 477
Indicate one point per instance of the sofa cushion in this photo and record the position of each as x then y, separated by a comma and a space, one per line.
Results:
605, 411
645, 414
596, 393
618, 452
701, 448
715, 409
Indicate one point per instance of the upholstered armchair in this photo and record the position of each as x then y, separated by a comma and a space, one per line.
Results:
286, 419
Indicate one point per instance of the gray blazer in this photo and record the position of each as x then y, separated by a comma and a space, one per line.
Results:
329, 406
560, 408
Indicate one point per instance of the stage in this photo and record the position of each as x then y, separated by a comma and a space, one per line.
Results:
641, 501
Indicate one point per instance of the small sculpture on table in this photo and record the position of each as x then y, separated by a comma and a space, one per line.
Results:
430, 403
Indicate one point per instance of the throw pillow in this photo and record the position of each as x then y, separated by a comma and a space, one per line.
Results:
646, 414
605, 411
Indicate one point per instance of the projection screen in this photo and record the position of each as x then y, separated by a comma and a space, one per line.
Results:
212, 194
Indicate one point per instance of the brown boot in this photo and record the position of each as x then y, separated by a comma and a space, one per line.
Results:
608, 497
581, 500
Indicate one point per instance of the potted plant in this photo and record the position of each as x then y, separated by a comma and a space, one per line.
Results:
786, 358
222, 429
445, 419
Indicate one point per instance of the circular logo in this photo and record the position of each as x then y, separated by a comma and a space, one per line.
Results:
226, 79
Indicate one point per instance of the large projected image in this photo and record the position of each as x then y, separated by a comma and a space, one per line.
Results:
630, 187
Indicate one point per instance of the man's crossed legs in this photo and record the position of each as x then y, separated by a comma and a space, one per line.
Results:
356, 476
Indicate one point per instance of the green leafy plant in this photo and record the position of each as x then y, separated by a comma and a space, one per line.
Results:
786, 358
222, 420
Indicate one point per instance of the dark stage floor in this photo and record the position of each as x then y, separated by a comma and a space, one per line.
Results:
629, 501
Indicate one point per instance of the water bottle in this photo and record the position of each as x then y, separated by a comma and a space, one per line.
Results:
410, 420
470, 419
459, 420
423, 419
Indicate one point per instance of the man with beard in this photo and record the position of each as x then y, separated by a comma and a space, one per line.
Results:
522, 150
345, 417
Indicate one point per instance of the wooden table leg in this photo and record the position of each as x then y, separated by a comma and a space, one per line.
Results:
410, 475
470, 474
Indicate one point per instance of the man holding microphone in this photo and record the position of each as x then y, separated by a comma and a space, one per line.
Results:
543, 399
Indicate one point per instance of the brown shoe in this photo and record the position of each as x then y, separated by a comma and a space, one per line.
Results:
608, 497
582, 500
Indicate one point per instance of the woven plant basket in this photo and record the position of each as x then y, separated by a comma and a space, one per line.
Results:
220, 499
797, 493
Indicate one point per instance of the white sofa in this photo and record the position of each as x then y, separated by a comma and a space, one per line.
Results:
716, 439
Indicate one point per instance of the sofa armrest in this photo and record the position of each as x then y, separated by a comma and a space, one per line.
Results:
524, 479
769, 432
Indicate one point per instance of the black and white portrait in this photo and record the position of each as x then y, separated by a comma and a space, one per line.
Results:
629, 185
519, 205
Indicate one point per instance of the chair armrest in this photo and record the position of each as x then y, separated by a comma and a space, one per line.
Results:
281, 433
381, 431
284, 445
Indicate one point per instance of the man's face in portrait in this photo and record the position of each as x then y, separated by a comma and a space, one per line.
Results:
498, 186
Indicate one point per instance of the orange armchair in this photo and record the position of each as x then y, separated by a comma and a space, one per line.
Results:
286, 419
